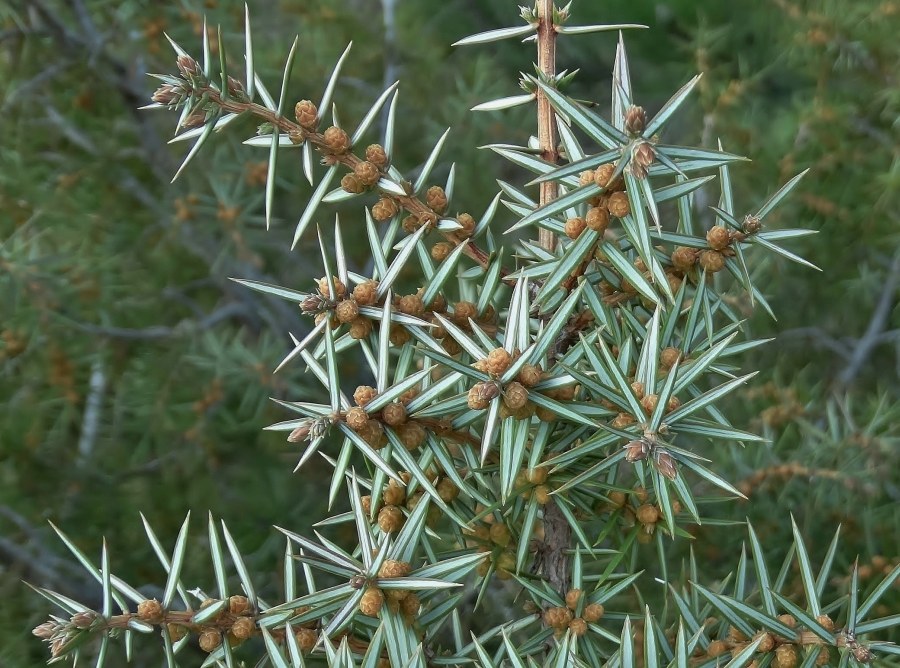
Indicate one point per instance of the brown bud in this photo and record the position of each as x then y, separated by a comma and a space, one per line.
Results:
351, 184
643, 157
767, 642
46, 630
360, 328
210, 640
578, 627
306, 114
621, 421
542, 494
467, 224
785, 657
447, 490
597, 219
176, 631
668, 357
618, 205
394, 414
718, 237
306, 639
339, 288
557, 617
346, 310
436, 199
412, 435
586, 177
167, 94
390, 519
411, 305
649, 402
300, 434
357, 419
481, 394
384, 209
497, 361
243, 628
366, 293
410, 223
717, 648
336, 140
410, 605
574, 227
150, 611
712, 261
529, 375
684, 258
187, 66
238, 605
462, 311
573, 597
603, 174
647, 514
635, 120
376, 155
440, 251
665, 463
593, 612
367, 173
371, 602
499, 534
636, 451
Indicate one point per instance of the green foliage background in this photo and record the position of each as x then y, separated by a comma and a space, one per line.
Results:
134, 376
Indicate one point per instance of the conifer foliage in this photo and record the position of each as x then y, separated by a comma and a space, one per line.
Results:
543, 404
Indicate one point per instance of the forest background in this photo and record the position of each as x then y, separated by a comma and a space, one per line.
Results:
135, 376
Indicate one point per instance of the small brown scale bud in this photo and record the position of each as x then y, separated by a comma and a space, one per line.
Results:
718, 237
375, 154
557, 618
371, 602
597, 219
390, 519
336, 140
410, 223
384, 209
497, 361
243, 628
357, 419
668, 357
346, 310
364, 394
542, 494
785, 657
574, 227
150, 611
339, 288
593, 612
367, 173
366, 293
410, 605
436, 199
684, 258
467, 224
712, 261
826, 623
638, 388
238, 605
462, 311
618, 205
621, 421
440, 251
481, 394
411, 305
412, 435
399, 336
635, 120
394, 414
647, 514
649, 402
636, 451
767, 642
644, 155
307, 114
392, 568
176, 631
500, 535
578, 627
573, 597
717, 648
586, 177
529, 375
538, 475
306, 639
515, 396
447, 490
603, 174
360, 328
210, 640
351, 184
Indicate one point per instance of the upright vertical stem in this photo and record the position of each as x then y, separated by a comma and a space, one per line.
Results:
546, 121
557, 532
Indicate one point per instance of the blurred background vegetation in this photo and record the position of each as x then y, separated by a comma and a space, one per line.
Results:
135, 376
